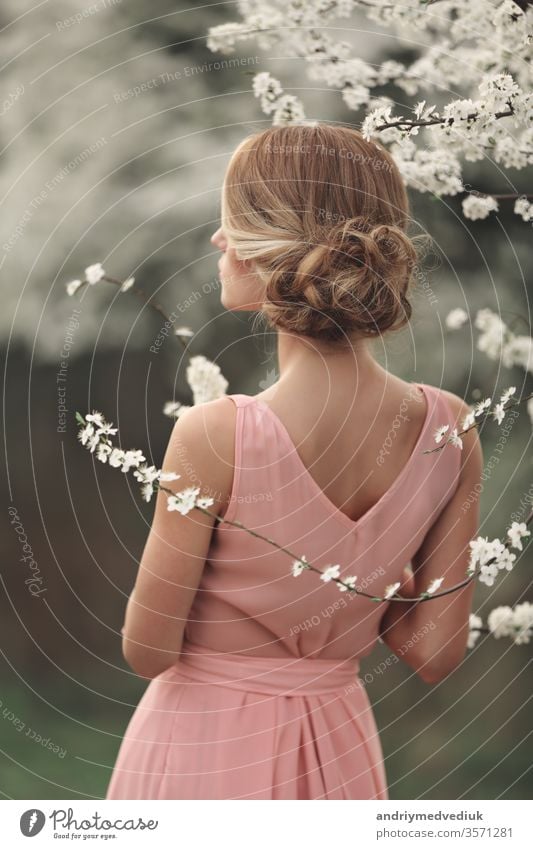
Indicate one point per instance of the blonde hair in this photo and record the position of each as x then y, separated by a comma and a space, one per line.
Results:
323, 215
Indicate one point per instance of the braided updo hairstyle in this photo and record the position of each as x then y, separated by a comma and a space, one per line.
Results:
322, 213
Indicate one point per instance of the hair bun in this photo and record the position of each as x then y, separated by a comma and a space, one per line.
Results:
321, 213
356, 278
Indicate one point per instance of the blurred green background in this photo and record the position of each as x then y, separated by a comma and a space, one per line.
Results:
143, 198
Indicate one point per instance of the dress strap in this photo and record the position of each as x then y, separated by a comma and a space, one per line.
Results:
241, 400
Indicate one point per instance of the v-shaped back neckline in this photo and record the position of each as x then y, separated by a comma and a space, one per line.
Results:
336, 512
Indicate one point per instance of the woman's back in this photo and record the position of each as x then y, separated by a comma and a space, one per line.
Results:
353, 446
248, 600
264, 700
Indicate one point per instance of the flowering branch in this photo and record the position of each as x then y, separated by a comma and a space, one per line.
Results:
95, 434
207, 383
498, 412
95, 273
453, 56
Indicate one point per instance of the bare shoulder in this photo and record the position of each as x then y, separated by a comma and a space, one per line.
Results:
472, 452
213, 421
203, 440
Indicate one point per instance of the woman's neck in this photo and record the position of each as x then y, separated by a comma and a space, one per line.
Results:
313, 367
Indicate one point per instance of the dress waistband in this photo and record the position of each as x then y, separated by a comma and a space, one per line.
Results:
278, 676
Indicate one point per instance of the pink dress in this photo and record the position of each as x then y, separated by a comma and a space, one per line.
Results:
265, 701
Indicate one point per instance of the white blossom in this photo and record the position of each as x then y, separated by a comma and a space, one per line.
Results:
183, 331
468, 420
147, 491
382, 115
482, 551
498, 412
481, 406
168, 476
507, 394
127, 284
330, 573
524, 208
132, 459
289, 110
204, 502
455, 53
390, 589
523, 622
183, 501
95, 418
494, 333
475, 207
434, 585
459, 110
268, 89
73, 286
205, 379
439, 433
103, 451
516, 533
500, 621
94, 273
93, 442
222, 38
350, 580
497, 90
423, 112
117, 457
85, 433
455, 439
298, 566
174, 409
475, 623
146, 474
518, 351
456, 318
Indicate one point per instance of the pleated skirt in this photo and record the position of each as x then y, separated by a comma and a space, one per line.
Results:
231, 726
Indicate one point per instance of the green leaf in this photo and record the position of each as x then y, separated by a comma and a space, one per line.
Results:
79, 418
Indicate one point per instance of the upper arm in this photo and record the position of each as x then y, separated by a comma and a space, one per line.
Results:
445, 553
201, 451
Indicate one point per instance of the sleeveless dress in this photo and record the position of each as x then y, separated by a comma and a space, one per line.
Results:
265, 701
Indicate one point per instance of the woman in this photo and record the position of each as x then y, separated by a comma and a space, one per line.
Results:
254, 691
